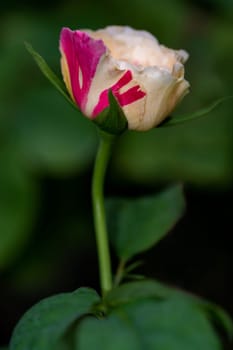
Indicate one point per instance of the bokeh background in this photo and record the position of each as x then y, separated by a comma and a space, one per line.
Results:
47, 150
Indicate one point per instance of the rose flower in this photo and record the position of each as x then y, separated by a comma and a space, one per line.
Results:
146, 78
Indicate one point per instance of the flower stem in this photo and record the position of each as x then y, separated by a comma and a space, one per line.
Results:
119, 273
100, 167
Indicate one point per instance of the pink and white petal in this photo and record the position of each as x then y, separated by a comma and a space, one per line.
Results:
106, 76
82, 56
89, 72
126, 90
120, 80
163, 91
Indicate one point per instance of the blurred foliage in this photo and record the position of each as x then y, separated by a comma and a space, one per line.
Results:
47, 148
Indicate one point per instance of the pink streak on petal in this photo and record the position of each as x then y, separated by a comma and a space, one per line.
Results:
127, 77
131, 95
102, 104
82, 54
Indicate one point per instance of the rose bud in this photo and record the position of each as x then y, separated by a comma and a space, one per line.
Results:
146, 78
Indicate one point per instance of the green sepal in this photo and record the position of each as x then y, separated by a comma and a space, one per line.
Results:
172, 121
112, 119
49, 74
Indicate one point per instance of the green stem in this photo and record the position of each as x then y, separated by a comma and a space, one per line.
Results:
100, 167
119, 273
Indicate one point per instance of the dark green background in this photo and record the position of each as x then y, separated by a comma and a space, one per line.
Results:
47, 151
